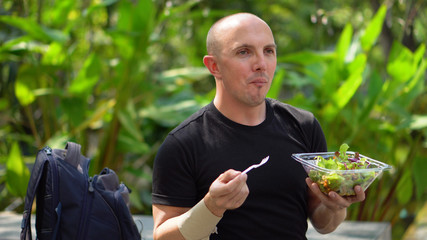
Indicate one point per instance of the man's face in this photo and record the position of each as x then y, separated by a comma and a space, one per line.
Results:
246, 61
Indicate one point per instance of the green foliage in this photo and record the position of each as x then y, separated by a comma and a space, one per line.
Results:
373, 30
276, 85
374, 110
17, 173
34, 30
419, 168
404, 188
84, 72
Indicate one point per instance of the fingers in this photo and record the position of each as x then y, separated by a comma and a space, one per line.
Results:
228, 191
231, 185
333, 200
360, 195
316, 190
238, 193
228, 175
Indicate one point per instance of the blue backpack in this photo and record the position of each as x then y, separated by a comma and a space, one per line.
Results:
72, 205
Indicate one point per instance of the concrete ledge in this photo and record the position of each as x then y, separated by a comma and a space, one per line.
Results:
354, 230
10, 228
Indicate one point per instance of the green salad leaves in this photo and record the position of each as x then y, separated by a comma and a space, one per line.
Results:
342, 179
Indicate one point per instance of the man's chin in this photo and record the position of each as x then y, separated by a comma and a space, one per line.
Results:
257, 101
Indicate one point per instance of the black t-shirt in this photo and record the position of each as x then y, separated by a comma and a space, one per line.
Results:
207, 144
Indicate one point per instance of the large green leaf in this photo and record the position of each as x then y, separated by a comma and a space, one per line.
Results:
400, 65
374, 28
332, 78
122, 35
16, 44
371, 98
335, 71
419, 54
87, 77
128, 144
419, 170
128, 118
17, 174
143, 18
143, 23
134, 27
172, 114
306, 57
24, 93
94, 120
60, 12
276, 85
39, 32
347, 90
25, 85
344, 43
405, 187
405, 86
413, 88
420, 64
55, 55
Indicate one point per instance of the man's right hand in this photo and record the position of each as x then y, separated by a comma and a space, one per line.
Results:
228, 191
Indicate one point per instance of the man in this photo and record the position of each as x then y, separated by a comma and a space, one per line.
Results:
199, 191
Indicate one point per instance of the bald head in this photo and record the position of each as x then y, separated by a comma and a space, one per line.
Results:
216, 34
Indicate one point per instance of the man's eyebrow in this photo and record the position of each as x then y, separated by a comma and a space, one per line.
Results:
242, 46
273, 45
245, 45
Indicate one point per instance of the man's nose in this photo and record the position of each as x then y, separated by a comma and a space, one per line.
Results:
260, 63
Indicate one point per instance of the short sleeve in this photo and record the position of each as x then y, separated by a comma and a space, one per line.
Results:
318, 138
173, 181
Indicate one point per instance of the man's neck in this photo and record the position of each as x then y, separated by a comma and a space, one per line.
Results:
241, 113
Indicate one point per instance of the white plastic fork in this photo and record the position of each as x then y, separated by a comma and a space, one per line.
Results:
263, 161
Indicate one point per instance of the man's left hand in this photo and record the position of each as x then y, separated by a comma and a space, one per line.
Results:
333, 200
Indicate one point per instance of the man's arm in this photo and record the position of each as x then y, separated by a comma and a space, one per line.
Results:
165, 225
327, 212
228, 191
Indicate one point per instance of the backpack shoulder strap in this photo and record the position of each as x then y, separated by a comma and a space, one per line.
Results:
76, 158
36, 174
73, 153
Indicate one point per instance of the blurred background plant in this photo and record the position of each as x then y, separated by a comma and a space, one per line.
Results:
117, 75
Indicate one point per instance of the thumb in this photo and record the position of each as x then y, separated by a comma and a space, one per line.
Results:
228, 175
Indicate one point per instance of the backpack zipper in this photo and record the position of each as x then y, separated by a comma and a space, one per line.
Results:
55, 195
86, 209
91, 189
113, 212
55, 182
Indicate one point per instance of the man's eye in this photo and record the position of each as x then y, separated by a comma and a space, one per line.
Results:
242, 52
270, 51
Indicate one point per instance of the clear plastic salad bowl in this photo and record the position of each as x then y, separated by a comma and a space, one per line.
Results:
340, 181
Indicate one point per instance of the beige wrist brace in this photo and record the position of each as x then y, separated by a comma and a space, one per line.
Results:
198, 222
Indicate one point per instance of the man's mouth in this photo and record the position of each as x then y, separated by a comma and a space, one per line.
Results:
259, 84
259, 81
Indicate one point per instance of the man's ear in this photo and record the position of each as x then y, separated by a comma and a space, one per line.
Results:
212, 66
